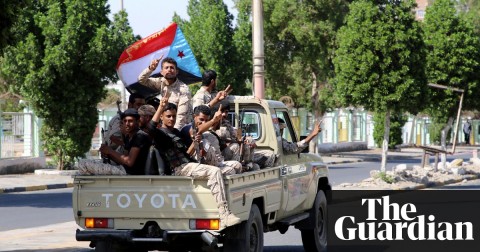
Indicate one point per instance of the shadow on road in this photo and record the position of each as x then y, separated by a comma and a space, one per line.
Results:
52, 250
39, 200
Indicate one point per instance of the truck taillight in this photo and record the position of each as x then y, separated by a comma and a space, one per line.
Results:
98, 223
211, 224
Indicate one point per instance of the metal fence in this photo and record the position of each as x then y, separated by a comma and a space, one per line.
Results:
17, 135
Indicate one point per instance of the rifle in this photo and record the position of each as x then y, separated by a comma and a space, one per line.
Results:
240, 135
199, 151
119, 111
105, 160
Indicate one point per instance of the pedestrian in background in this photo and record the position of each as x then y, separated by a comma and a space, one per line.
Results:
467, 129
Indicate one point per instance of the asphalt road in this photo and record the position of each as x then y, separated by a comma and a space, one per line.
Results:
37, 208
42, 208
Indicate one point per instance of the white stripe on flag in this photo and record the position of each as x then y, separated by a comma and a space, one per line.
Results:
129, 72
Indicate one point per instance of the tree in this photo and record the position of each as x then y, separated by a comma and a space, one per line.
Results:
209, 32
453, 60
68, 54
9, 16
299, 43
379, 60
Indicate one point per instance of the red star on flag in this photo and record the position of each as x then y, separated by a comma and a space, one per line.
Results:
180, 54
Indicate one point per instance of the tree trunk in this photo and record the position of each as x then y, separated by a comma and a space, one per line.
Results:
443, 142
60, 164
386, 134
315, 86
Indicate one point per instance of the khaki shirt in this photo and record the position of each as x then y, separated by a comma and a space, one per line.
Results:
212, 147
202, 97
226, 131
180, 95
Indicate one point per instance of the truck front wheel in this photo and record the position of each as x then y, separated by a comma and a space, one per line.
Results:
317, 240
246, 236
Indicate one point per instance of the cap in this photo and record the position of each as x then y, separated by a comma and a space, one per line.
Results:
146, 110
130, 112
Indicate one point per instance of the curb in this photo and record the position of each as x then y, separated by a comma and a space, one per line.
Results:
433, 184
35, 188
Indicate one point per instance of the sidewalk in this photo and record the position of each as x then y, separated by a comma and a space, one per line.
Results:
50, 179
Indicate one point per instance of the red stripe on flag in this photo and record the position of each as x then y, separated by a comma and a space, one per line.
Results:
149, 44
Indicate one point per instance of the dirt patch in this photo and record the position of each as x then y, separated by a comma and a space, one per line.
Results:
414, 177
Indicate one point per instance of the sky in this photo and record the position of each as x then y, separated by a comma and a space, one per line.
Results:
150, 16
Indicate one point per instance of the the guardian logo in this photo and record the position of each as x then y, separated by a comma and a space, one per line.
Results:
397, 222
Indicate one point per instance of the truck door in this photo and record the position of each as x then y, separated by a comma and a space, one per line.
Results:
294, 171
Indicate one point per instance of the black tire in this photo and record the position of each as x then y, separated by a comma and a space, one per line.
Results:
316, 239
246, 236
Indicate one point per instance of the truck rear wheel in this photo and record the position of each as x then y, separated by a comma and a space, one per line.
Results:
316, 239
246, 236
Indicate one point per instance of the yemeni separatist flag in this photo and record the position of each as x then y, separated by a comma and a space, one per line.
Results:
169, 42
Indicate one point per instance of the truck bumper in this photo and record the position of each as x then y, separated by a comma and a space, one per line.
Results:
95, 235
129, 236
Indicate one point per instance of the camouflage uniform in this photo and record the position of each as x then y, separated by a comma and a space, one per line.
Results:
202, 97
214, 155
97, 167
113, 130
227, 133
293, 148
179, 95
266, 158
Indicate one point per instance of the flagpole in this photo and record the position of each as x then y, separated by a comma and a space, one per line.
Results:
258, 50
123, 91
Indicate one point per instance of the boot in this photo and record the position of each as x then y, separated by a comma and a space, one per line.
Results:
227, 218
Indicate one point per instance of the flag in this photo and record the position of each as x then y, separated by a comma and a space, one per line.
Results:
169, 42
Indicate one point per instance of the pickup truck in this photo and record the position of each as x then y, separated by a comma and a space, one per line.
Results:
176, 213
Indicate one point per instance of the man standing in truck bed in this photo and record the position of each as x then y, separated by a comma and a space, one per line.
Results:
169, 83
178, 158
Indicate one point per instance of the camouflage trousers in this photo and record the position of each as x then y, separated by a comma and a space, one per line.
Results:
212, 173
230, 167
264, 158
232, 151
97, 167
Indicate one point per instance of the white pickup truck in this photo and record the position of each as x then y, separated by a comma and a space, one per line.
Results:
141, 213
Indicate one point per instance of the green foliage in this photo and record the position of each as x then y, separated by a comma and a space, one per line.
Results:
8, 16
389, 179
453, 59
299, 43
435, 131
210, 33
68, 54
395, 135
379, 63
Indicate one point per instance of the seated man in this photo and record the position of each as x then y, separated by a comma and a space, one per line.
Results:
133, 162
113, 135
235, 147
211, 145
176, 156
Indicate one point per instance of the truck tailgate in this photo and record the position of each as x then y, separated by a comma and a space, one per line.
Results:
142, 198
